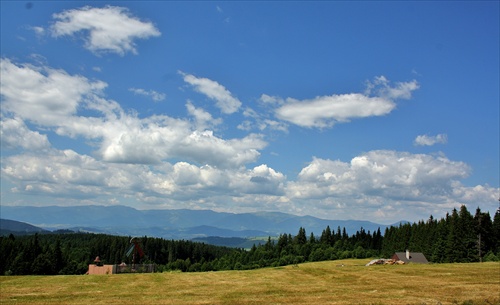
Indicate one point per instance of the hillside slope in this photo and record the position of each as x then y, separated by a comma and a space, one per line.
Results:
331, 282
8, 226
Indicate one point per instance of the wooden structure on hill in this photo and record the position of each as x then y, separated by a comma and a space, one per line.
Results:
121, 268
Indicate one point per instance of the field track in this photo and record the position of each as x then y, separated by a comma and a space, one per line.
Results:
332, 282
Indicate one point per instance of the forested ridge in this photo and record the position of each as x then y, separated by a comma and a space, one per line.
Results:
458, 237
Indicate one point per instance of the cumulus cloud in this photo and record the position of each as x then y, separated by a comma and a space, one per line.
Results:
153, 140
58, 173
66, 173
390, 174
54, 99
205, 148
378, 185
155, 96
109, 29
426, 140
15, 134
265, 180
224, 100
387, 184
326, 111
203, 118
132, 154
44, 95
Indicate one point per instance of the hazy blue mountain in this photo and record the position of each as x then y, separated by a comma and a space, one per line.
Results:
8, 226
175, 224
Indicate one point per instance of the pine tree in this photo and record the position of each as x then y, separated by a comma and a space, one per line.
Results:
495, 243
439, 249
326, 236
301, 236
377, 241
454, 241
484, 232
312, 239
57, 258
344, 234
466, 229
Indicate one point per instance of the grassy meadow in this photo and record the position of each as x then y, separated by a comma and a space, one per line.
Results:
332, 282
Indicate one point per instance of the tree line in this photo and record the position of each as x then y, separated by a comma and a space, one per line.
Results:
458, 237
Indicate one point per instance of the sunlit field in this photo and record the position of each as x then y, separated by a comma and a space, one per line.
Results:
332, 282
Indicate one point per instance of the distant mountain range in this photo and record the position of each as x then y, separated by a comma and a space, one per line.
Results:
175, 224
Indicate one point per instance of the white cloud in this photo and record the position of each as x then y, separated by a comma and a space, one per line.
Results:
205, 148
58, 173
267, 99
224, 100
326, 111
38, 30
265, 180
203, 119
54, 99
71, 175
381, 86
394, 185
379, 185
14, 133
108, 29
153, 140
132, 155
260, 122
156, 96
426, 140
391, 174
44, 95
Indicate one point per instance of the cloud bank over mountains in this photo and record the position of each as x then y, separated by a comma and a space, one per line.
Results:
133, 156
157, 160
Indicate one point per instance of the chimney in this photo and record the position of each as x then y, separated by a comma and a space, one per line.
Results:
408, 256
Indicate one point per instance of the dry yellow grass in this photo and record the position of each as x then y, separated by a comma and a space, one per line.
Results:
310, 283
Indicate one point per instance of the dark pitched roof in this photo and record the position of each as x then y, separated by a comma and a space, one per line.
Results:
415, 257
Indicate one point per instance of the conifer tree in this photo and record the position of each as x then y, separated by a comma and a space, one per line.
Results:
454, 240
496, 233
484, 232
466, 229
301, 236
439, 250
326, 236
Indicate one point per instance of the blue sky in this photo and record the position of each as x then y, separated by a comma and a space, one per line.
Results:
378, 111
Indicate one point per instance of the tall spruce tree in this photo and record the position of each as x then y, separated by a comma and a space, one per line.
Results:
454, 240
495, 244
326, 236
467, 231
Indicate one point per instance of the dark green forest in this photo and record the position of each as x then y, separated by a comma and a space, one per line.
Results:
458, 237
